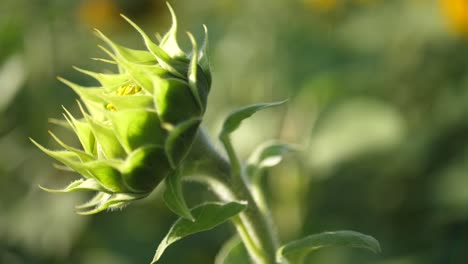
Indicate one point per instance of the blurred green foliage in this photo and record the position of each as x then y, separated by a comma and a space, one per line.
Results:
378, 105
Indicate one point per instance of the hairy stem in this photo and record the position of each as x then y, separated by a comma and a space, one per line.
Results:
228, 183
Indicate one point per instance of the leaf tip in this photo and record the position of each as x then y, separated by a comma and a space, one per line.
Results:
44, 188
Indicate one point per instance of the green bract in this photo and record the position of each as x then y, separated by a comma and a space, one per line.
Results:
139, 124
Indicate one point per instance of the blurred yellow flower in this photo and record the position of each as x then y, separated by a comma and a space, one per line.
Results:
328, 6
456, 12
98, 13
365, 2
322, 5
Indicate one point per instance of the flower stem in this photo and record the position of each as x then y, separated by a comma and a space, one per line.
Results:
229, 183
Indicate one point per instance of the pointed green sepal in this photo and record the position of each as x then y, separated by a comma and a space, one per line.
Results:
83, 155
66, 157
106, 79
87, 94
83, 132
130, 55
174, 101
115, 201
145, 168
91, 97
137, 127
203, 59
192, 75
176, 67
60, 123
138, 73
109, 145
62, 167
78, 185
174, 197
180, 141
169, 40
108, 174
100, 196
113, 62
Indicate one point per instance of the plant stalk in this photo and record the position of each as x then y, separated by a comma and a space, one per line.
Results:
205, 164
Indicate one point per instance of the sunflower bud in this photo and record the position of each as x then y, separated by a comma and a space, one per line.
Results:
139, 123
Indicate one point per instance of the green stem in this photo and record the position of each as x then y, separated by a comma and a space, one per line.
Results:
228, 182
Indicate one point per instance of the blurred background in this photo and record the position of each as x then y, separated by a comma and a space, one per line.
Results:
378, 105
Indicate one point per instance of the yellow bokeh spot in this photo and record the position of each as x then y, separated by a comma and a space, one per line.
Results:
456, 12
322, 5
330, 6
98, 13
365, 2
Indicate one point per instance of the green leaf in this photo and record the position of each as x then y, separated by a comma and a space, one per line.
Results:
234, 119
266, 155
207, 216
301, 247
233, 252
174, 197
269, 154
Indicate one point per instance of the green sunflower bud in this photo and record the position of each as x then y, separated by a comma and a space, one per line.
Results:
139, 123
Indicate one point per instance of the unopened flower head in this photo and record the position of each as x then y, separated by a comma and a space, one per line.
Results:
138, 125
